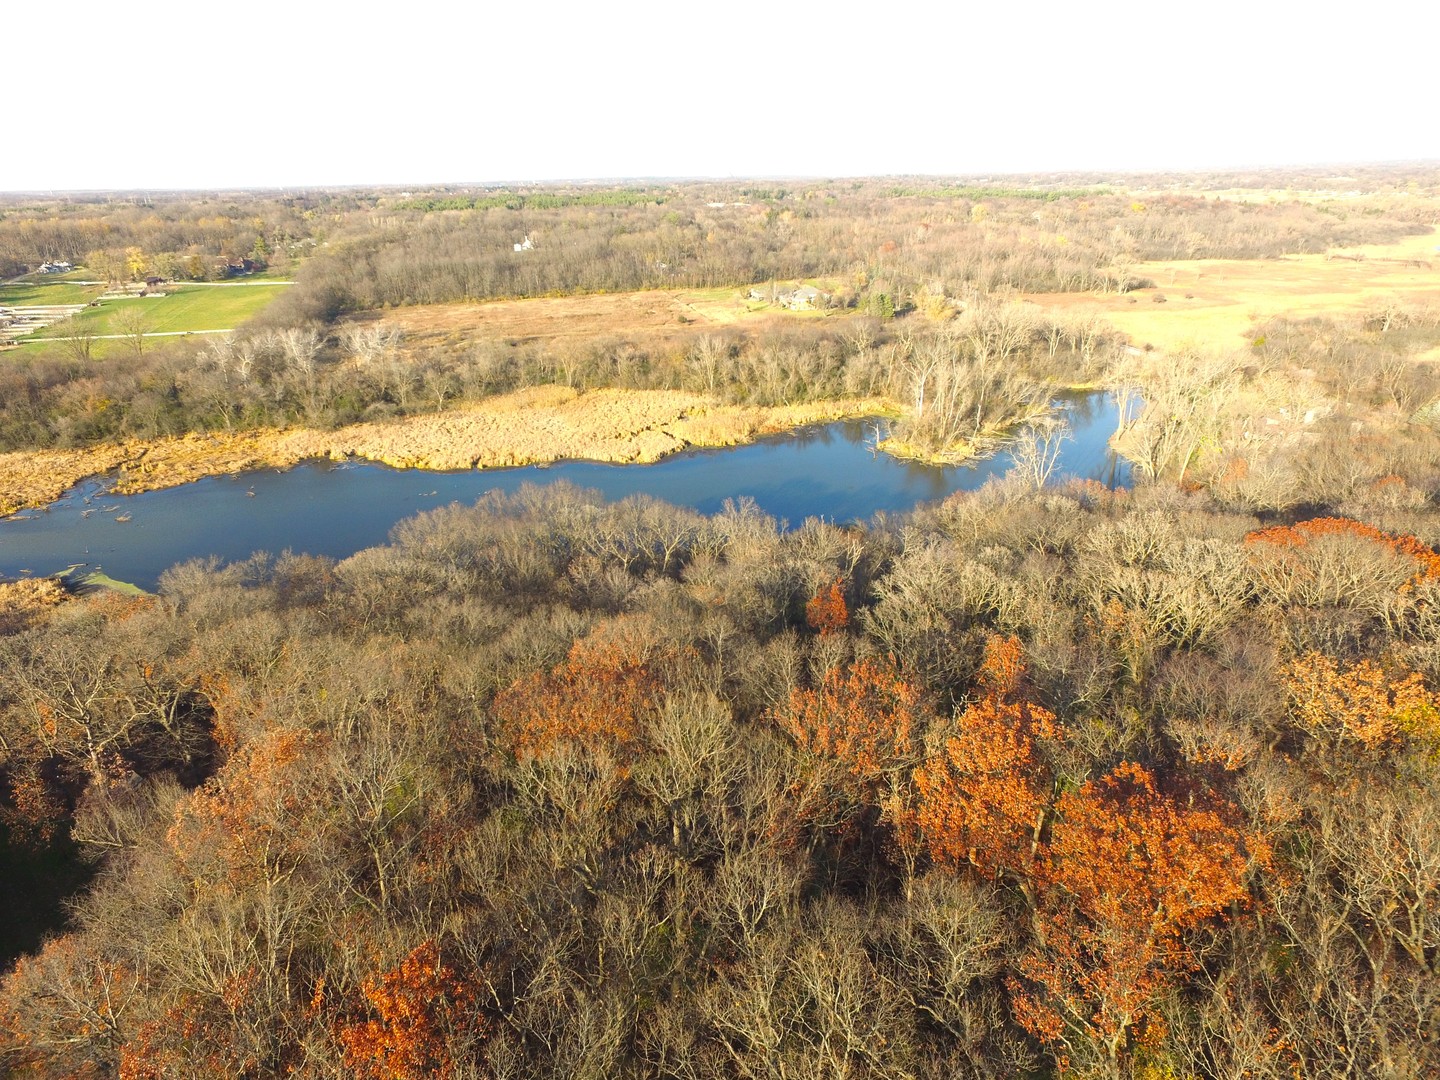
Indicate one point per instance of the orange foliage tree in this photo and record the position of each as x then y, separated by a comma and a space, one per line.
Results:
864, 717
1304, 534
1343, 562
1114, 874
193, 1037
249, 816
64, 1011
826, 610
35, 812
239, 845
1359, 703
417, 1012
855, 736
596, 700
983, 798
1127, 872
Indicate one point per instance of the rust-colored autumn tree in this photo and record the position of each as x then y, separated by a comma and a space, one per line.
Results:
1127, 872
864, 715
35, 812
238, 845
982, 799
194, 1036
826, 610
596, 701
64, 1010
854, 735
1358, 704
1308, 534
1114, 874
416, 1014
1337, 561
246, 821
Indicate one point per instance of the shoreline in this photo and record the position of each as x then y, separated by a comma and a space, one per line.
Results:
537, 426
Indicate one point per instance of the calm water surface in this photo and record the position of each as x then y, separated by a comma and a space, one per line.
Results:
336, 509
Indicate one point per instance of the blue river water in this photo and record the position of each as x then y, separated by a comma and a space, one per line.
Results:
324, 508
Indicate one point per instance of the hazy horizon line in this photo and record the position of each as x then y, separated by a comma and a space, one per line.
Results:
697, 178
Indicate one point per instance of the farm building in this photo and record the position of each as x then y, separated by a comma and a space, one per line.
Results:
795, 298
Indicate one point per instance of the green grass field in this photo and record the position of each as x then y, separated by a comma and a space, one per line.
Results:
28, 293
194, 307
98, 581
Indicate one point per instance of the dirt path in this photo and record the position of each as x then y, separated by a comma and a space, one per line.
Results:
130, 337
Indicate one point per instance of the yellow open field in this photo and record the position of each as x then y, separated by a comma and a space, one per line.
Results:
1213, 302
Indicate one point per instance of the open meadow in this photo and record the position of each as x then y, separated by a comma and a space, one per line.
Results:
1207, 303
1212, 303
29, 292
657, 315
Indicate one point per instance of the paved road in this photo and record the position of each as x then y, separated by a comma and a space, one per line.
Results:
126, 337
212, 284
232, 284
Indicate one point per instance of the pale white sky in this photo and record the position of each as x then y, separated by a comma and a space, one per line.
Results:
184, 95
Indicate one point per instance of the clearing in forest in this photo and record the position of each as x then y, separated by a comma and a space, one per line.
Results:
1215, 302
655, 313
182, 309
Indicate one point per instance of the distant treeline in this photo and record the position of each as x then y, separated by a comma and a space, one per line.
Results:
170, 235
963, 191
357, 250
537, 201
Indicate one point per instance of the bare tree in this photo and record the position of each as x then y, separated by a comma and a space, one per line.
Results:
79, 338
370, 343
301, 350
133, 323
1036, 450
1185, 397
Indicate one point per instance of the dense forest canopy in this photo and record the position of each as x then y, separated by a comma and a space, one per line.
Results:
555, 786
1044, 780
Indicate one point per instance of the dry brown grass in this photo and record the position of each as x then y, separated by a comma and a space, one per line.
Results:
1214, 302
24, 602
656, 316
37, 477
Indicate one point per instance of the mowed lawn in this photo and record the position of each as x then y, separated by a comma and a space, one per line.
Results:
187, 308
41, 293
